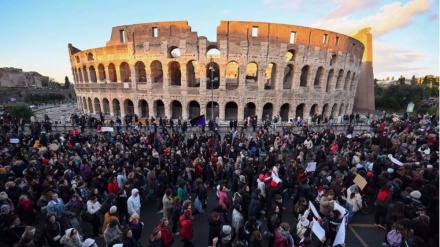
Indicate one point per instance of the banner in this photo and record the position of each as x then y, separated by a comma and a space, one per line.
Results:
107, 129
311, 167
198, 121
340, 235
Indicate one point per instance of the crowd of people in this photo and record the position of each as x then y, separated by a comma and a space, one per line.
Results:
72, 188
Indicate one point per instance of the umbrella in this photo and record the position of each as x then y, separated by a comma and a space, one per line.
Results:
394, 160
53, 147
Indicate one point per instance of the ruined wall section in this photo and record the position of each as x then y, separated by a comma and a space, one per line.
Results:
13, 77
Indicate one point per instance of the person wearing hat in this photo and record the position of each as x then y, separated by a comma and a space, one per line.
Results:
112, 233
71, 238
109, 216
90, 242
4, 200
52, 231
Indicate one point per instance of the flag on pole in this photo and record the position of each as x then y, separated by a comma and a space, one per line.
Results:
198, 121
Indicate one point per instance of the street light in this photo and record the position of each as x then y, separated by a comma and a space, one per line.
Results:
211, 68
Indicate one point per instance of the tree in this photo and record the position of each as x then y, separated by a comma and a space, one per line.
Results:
66, 82
402, 80
425, 80
20, 111
392, 78
45, 82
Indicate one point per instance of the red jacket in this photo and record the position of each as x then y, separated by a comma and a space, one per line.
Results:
166, 236
113, 188
279, 241
186, 231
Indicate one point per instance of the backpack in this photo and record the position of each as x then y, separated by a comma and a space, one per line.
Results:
394, 238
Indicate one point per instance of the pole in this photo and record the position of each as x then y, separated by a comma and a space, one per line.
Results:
212, 90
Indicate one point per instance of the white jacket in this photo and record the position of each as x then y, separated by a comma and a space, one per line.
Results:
356, 201
93, 208
134, 203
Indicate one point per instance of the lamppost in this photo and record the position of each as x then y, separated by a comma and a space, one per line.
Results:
211, 68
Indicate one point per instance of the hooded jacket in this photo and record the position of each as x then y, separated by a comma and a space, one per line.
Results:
134, 203
112, 234
71, 241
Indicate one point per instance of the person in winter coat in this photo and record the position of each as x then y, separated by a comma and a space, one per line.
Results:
27, 240
155, 238
122, 206
327, 203
56, 206
283, 237
52, 231
93, 208
383, 200
166, 235
134, 203
255, 205
238, 221
25, 209
186, 228
71, 238
112, 234
127, 238
73, 211
355, 203
166, 202
214, 227
135, 226
12, 231
111, 215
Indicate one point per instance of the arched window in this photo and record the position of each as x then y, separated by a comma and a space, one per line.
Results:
304, 76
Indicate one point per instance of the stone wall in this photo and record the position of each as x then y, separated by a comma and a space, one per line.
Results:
263, 69
12, 77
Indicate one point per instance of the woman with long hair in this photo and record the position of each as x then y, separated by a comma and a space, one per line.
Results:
155, 238
166, 235
135, 226
176, 210
300, 207
186, 228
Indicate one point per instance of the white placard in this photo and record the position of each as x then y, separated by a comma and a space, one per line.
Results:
340, 235
275, 178
318, 230
394, 160
14, 140
311, 167
338, 207
107, 129
314, 211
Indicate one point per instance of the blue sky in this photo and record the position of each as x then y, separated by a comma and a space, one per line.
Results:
35, 34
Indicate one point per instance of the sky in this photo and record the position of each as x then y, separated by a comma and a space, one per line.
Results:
35, 34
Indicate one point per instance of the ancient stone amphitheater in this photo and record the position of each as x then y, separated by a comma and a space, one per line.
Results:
254, 68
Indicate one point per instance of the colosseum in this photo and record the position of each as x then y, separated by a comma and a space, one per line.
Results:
254, 68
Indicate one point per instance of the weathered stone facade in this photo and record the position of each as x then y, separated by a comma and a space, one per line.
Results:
263, 69
12, 77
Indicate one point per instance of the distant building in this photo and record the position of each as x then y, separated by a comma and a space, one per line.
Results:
13, 77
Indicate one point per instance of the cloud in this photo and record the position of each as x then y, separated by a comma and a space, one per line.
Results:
393, 60
391, 17
434, 17
346, 7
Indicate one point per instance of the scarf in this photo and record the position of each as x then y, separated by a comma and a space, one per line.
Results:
26, 204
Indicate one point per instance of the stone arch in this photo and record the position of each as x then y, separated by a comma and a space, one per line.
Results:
313, 109
101, 72
113, 77
193, 109
105, 106
347, 80
339, 79
128, 107
330, 76
304, 76
300, 110
291, 55
174, 73
284, 112
86, 76
333, 60
346, 108
231, 111
97, 105
80, 75
334, 110
78, 60
116, 107
143, 108
124, 70
90, 56
341, 109
159, 108
84, 101
214, 72
289, 71
250, 109
319, 77
212, 51
156, 71
92, 74
270, 76
191, 78
141, 73
268, 111
212, 107
176, 109
251, 72
174, 52
231, 74
89, 104
325, 110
